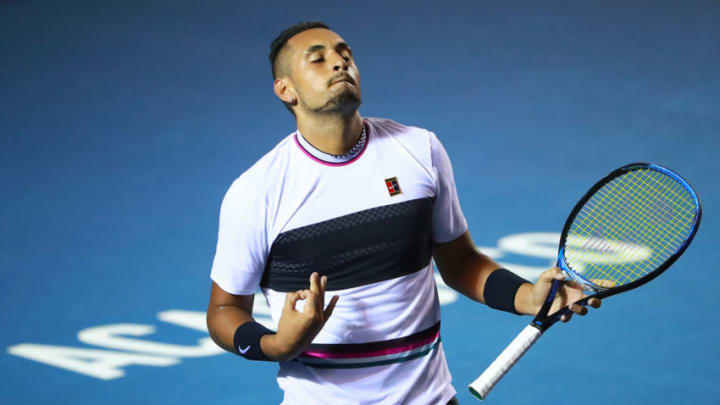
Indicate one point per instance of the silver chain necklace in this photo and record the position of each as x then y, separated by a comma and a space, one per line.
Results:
355, 149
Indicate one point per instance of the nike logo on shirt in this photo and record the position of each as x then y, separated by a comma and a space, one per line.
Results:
243, 351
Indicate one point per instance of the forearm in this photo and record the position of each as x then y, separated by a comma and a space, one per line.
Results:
469, 277
462, 267
223, 321
480, 278
467, 270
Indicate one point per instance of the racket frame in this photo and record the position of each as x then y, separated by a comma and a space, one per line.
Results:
542, 321
522, 343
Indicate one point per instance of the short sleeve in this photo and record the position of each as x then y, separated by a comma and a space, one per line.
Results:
448, 220
242, 240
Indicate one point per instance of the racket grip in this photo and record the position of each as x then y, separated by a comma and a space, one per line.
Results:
504, 362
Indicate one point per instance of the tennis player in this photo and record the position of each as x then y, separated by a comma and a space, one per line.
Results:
338, 225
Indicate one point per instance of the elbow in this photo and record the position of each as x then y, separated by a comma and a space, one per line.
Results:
210, 324
450, 280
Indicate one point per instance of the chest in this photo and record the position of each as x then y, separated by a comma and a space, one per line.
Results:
357, 224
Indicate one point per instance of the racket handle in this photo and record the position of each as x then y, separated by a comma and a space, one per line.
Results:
504, 362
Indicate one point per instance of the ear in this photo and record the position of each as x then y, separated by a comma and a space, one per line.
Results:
285, 91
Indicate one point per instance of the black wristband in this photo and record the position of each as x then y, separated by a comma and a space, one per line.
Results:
500, 289
247, 341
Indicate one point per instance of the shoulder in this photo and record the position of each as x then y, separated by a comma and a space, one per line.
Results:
271, 166
388, 127
415, 140
267, 170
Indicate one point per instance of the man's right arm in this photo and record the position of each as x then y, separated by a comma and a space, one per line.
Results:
226, 312
296, 329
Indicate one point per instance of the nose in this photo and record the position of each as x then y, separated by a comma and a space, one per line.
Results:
339, 63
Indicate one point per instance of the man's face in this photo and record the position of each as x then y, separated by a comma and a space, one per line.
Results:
323, 72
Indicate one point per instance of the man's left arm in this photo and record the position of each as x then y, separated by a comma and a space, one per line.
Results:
467, 270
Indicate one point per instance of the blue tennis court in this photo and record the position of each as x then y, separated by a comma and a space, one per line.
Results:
123, 123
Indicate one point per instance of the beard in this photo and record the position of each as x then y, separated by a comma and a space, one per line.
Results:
344, 102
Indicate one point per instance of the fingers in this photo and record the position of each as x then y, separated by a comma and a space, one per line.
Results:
331, 306
570, 291
314, 282
604, 282
574, 309
552, 274
316, 296
544, 285
578, 309
557, 273
313, 293
548, 278
323, 284
291, 299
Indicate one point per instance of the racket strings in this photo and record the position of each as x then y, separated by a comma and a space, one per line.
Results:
634, 232
599, 242
643, 201
608, 237
641, 233
629, 227
666, 234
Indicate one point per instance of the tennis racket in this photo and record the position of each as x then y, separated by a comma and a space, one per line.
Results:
625, 231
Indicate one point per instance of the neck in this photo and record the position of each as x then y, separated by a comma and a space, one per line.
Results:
331, 134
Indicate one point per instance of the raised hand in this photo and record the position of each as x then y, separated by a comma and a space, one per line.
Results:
297, 329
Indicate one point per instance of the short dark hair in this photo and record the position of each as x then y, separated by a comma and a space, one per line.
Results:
279, 43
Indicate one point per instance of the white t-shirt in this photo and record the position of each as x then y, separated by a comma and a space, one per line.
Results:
368, 224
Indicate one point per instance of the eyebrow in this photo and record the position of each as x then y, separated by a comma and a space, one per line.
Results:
315, 48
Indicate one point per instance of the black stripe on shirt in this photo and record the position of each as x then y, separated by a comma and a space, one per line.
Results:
365, 247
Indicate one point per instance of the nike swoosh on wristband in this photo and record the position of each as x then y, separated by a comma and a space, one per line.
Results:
243, 351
